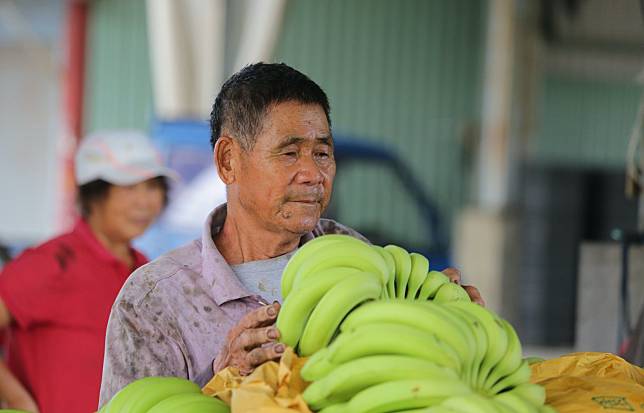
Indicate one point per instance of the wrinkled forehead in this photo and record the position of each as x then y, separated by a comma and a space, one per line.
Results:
296, 123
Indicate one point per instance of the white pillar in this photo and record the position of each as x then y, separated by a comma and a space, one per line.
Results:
187, 45
494, 152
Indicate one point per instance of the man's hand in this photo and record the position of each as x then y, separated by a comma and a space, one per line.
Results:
252, 341
454, 276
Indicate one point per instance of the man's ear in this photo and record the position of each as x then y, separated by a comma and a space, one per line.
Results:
226, 158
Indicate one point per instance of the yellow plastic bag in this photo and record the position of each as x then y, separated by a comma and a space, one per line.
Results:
591, 382
271, 388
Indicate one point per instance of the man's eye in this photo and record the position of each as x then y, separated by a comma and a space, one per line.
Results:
290, 154
322, 154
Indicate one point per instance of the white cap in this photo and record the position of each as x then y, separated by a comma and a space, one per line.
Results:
120, 157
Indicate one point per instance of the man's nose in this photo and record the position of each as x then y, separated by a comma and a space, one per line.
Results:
309, 171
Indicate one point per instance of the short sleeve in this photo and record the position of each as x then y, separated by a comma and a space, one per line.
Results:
31, 286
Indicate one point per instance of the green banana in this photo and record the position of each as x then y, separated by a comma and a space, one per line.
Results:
511, 359
308, 249
403, 268
190, 403
451, 292
405, 394
303, 280
317, 366
534, 360
434, 409
418, 274
391, 265
349, 378
144, 393
392, 338
547, 409
426, 316
495, 336
519, 376
333, 308
515, 403
481, 348
335, 408
530, 392
355, 254
297, 308
471, 403
433, 281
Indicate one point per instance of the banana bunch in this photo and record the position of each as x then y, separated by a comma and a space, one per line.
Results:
422, 356
412, 280
163, 395
333, 274
326, 279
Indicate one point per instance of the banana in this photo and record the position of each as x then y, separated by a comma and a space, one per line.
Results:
405, 394
534, 360
495, 336
144, 393
403, 268
481, 348
547, 409
335, 408
355, 254
391, 265
190, 403
317, 366
519, 376
471, 403
310, 248
515, 403
530, 392
333, 308
392, 338
418, 274
304, 279
426, 316
349, 378
297, 308
434, 409
451, 292
510, 361
433, 281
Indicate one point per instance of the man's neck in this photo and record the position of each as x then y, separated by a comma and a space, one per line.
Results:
240, 241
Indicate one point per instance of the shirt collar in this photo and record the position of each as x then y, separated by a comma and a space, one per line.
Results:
216, 271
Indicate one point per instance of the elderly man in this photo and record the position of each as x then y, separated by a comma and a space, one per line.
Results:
201, 308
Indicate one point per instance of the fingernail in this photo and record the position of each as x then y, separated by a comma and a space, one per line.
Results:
272, 333
279, 348
271, 311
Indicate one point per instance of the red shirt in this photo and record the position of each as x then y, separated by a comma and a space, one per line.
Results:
60, 295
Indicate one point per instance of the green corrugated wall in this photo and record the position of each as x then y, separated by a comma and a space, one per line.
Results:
118, 90
585, 122
404, 73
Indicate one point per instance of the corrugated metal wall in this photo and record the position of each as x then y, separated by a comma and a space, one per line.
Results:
585, 122
406, 73
118, 84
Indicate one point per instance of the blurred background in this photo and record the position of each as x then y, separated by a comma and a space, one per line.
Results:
502, 137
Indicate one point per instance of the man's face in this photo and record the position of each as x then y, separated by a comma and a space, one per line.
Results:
285, 180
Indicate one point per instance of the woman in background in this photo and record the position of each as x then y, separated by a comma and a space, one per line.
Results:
55, 299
